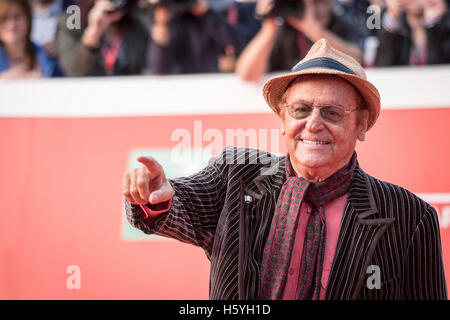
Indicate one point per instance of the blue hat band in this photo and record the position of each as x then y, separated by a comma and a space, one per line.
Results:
326, 63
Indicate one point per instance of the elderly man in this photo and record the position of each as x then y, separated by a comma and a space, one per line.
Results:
309, 225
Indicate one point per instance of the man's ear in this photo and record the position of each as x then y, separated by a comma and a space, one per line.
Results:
282, 128
364, 119
362, 134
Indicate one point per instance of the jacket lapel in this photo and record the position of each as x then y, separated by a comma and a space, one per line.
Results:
361, 229
258, 198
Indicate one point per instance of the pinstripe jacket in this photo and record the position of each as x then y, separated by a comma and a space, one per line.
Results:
227, 210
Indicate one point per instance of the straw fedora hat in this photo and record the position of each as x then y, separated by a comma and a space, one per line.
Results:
323, 59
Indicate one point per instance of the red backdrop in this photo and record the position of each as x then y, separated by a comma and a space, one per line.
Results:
61, 202
66, 143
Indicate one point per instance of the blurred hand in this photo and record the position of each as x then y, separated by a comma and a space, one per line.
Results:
147, 183
263, 7
227, 62
414, 14
200, 8
308, 20
50, 49
101, 16
160, 30
434, 9
162, 15
397, 7
379, 3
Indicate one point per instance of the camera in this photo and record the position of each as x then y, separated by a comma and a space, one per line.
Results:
287, 8
177, 6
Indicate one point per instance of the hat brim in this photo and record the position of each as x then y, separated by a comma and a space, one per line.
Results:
274, 89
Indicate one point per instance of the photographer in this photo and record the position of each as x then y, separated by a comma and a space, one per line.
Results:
111, 41
414, 33
283, 40
189, 38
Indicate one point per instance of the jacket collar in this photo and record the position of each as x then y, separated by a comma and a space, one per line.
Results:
269, 181
361, 197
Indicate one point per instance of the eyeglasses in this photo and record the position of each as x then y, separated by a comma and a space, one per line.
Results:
301, 110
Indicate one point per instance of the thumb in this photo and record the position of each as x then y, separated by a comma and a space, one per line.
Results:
163, 194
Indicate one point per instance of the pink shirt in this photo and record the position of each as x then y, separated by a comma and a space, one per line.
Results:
333, 213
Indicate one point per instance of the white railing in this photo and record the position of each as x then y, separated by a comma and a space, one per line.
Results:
400, 87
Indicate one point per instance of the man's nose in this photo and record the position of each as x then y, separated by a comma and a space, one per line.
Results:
314, 122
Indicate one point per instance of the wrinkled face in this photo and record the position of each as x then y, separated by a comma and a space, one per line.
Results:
13, 25
315, 143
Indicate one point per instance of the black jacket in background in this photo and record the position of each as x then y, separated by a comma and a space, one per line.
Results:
78, 60
395, 48
196, 44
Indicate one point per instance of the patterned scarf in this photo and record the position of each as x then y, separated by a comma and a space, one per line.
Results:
280, 241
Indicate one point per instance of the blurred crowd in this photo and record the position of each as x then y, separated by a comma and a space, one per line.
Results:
72, 38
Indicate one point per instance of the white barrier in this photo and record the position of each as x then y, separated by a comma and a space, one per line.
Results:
400, 87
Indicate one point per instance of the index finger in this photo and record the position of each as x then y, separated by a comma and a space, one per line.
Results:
150, 163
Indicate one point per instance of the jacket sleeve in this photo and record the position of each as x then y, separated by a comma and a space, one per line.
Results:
166, 59
395, 42
160, 58
223, 33
75, 58
438, 41
424, 276
196, 206
393, 50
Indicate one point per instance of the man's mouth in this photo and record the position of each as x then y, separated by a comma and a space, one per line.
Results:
314, 141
